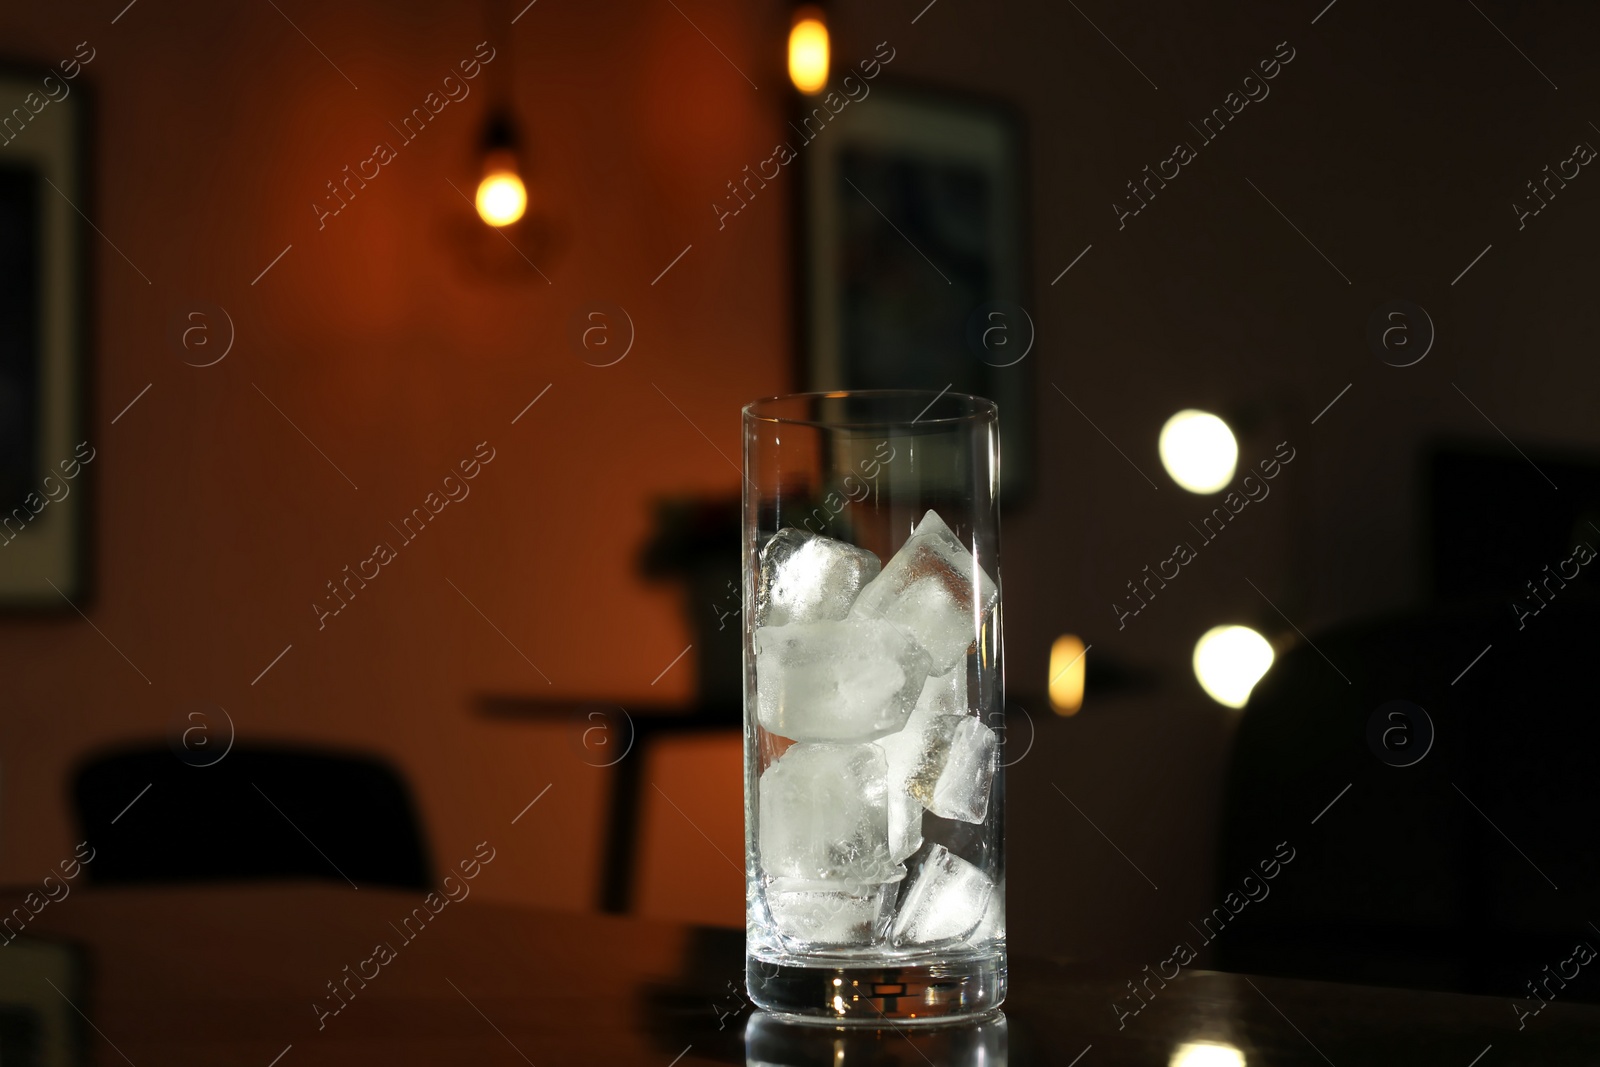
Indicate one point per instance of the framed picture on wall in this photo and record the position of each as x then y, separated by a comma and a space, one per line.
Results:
913, 254
44, 451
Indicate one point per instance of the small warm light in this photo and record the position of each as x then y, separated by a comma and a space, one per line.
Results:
1206, 1054
502, 198
1199, 451
1066, 674
808, 51
1229, 661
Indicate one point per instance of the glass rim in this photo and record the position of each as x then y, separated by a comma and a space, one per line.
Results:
978, 408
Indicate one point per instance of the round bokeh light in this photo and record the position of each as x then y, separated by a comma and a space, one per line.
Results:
1229, 661
1199, 451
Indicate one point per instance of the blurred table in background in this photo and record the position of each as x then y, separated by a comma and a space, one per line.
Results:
607, 733
244, 975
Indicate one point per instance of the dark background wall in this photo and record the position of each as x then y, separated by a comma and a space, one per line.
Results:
1395, 140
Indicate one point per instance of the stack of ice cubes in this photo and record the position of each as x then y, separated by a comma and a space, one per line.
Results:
863, 666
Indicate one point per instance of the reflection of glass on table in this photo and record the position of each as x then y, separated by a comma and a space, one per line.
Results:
772, 1041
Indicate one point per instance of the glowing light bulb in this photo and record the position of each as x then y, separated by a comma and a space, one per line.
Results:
502, 198
1206, 1054
808, 50
1198, 450
1229, 661
1066, 674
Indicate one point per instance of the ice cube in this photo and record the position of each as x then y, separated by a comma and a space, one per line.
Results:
846, 680
920, 778
823, 814
943, 758
809, 578
971, 841
942, 695
934, 591
993, 925
944, 900
830, 913
961, 790
905, 824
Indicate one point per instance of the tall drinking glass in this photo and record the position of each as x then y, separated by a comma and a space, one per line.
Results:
874, 795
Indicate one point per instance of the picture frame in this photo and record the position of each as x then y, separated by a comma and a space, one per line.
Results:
44, 448
910, 225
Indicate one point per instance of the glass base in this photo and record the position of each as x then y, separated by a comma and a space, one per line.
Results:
874, 992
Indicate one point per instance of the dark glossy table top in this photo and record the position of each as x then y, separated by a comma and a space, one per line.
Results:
241, 976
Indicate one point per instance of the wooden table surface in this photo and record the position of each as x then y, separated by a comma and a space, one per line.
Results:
241, 975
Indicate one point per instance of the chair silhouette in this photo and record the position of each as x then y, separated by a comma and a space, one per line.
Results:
1441, 874
258, 813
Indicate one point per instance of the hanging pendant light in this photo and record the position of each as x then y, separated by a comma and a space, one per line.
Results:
809, 49
502, 196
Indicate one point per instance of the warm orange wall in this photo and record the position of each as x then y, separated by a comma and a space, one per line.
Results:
218, 524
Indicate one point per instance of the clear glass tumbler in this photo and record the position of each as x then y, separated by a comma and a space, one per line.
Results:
874, 795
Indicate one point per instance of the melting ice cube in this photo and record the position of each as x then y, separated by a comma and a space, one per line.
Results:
823, 815
961, 790
934, 591
809, 578
945, 899
905, 824
847, 680
943, 758
993, 925
830, 913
